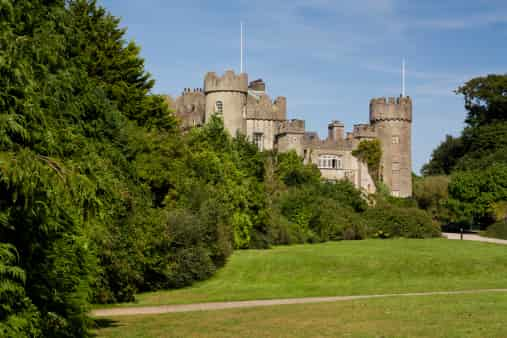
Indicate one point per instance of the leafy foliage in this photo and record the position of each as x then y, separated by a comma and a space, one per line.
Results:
370, 152
497, 230
292, 171
445, 157
473, 194
390, 221
485, 99
477, 159
431, 194
18, 316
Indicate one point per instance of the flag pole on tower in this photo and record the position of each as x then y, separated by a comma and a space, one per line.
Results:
241, 48
403, 78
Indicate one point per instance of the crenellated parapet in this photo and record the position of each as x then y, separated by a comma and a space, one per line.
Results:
292, 127
327, 144
190, 100
391, 109
190, 107
364, 131
260, 107
229, 82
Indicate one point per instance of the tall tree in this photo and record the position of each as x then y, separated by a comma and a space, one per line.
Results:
485, 99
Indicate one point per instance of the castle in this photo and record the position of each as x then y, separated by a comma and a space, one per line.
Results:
246, 108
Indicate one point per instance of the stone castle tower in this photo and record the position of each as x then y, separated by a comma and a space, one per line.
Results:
392, 119
227, 96
246, 108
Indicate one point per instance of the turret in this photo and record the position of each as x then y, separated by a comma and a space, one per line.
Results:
391, 109
226, 96
392, 120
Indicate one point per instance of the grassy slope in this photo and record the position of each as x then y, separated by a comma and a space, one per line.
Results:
348, 268
482, 315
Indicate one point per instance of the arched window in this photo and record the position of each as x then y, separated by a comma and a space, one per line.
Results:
330, 162
219, 107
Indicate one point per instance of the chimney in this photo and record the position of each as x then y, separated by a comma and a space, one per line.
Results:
335, 130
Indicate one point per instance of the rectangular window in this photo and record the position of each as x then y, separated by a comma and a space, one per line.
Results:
330, 162
396, 139
258, 140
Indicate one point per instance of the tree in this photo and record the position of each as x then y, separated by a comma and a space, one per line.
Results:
292, 171
445, 157
474, 194
485, 99
431, 194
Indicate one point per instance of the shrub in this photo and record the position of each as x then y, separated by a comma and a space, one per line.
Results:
473, 195
178, 254
18, 316
497, 230
333, 222
389, 222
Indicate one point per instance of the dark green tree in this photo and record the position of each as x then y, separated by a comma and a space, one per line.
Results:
485, 99
445, 157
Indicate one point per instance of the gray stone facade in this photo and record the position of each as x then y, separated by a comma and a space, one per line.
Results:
247, 109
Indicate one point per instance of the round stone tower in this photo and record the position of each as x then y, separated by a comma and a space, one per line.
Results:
227, 96
392, 119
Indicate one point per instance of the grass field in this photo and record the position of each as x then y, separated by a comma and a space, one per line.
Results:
480, 315
347, 268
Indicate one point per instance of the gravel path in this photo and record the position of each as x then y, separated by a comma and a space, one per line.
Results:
472, 237
150, 310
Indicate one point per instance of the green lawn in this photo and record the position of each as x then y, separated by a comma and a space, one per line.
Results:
347, 268
460, 316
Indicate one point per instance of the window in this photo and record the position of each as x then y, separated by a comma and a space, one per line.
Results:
396, 139
330, 162
258, 140
219, 107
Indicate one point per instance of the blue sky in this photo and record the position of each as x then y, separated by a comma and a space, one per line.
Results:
329, 57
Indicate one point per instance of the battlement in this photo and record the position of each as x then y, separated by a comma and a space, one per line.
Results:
312, 140
228, 82
292, 127
190, 91
260, 107
190, 100
364, 131
392, 108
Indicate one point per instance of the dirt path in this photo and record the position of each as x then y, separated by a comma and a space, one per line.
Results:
471, 237
150, 310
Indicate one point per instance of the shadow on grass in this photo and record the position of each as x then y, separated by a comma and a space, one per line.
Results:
103, 323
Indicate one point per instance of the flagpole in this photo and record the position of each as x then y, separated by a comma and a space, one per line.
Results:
403, 78
241, 48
